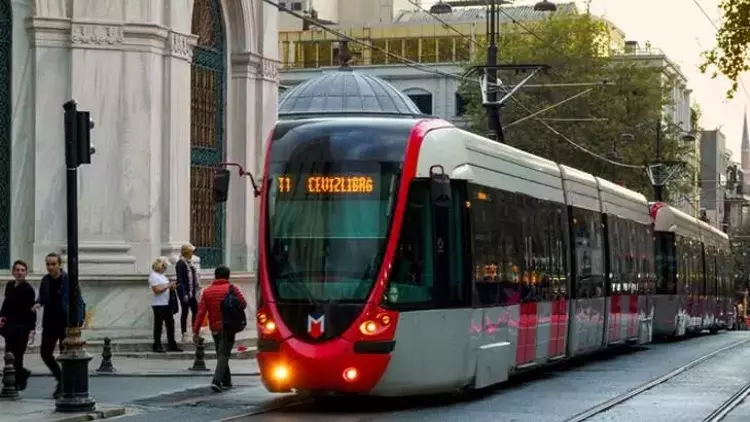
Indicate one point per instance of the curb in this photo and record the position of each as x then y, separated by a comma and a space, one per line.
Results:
247, 354
111, 412
186, 373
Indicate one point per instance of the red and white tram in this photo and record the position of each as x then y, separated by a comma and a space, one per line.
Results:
694, 262
406, 256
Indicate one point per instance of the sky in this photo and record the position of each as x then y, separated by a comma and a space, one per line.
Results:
679, 29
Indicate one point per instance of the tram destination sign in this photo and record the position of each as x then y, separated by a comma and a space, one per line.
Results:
349, 184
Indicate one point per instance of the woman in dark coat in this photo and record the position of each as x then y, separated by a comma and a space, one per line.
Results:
188, 287
18, 320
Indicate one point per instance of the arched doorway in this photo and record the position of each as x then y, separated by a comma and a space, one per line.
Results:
6, 108
207, 98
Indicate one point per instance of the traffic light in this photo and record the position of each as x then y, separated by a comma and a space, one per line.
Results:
78, 126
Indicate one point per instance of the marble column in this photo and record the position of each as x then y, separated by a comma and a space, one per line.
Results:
100, 83
48, 30
241, 143
175, 144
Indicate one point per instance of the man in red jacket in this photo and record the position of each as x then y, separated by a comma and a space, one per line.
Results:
210, 302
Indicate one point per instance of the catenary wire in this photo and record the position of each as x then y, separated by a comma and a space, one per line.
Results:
420, 66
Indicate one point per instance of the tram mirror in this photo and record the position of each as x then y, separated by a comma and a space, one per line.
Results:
440, 186
221, 185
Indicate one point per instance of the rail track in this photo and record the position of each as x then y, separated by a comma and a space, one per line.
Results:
726, 408
622, 398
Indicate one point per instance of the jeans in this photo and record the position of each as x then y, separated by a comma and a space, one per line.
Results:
191, 305
51, 337
224, 342
163, 316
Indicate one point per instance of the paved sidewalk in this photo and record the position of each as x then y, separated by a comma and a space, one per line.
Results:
138, 367
37, 410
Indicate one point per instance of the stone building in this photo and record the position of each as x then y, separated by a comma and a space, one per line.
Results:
175, 87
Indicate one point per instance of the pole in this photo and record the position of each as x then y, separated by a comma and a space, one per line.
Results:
74, 359
493, 114
659, 185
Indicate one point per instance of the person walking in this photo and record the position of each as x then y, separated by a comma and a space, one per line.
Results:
53, 297
188, 287
213, 302
163, 316
18, 320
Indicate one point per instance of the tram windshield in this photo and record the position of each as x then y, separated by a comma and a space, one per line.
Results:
329, 209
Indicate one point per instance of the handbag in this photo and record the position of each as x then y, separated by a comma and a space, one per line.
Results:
174, 304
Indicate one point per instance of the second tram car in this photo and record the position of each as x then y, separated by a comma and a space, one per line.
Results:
694, 263
406, 256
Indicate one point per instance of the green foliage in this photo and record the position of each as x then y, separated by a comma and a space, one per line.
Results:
731, 55
576, 46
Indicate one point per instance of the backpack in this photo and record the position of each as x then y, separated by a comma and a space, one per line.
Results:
233, 317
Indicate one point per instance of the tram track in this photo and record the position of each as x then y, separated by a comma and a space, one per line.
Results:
622, 398
728, 406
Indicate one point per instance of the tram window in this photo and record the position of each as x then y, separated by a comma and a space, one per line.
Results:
650, 259
411, 279
562, 240
496, 236
589, 253
616, 254
666, 260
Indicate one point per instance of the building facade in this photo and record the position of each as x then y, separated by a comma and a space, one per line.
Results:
173, 91
714, 164
174, 88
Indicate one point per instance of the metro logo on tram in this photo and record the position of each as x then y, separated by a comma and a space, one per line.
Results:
316, 326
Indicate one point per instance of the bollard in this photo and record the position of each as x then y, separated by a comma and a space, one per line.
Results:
9, 378
106, 365
199, 364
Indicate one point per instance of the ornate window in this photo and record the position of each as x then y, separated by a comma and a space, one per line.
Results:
6, 107
207, 98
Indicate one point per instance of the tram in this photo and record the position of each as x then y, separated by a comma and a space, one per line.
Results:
403, 256
694, 261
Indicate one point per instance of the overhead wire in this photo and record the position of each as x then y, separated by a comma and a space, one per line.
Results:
429, 69
518, 102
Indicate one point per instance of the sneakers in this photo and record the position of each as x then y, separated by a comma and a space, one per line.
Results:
216, 386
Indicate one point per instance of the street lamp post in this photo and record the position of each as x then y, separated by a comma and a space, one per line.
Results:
658, 187
493, 114
494, 123
657, 172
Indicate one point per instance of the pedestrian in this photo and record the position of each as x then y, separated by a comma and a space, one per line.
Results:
163, 316
188, 287
53, 297
18, 319
212, 302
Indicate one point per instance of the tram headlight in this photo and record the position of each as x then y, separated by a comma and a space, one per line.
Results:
375, 326
351, 374
280, 373
266, 324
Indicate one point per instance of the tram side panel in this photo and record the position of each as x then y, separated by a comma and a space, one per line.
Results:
587, 257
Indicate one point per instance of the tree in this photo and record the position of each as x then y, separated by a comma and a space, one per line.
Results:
577, 48
731, 55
